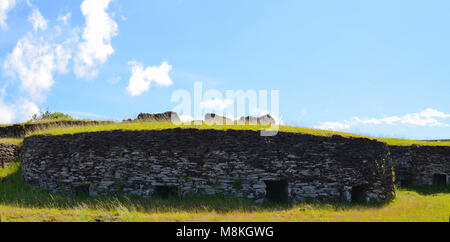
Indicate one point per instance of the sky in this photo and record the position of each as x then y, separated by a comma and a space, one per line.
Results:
378, 68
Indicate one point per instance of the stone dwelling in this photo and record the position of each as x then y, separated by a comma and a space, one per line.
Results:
421, 165
186, 162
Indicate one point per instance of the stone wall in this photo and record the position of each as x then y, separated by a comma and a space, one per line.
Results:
20, 130
189, 161
8, 153
421, 165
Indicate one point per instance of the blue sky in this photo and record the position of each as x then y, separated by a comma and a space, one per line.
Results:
377, 68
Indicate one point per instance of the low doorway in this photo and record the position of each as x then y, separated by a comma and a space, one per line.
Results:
277, 191
166, 191
358, 194
439, 180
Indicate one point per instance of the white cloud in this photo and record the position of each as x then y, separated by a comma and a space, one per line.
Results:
429, 117
37, 20
39, 55
65, 18
34, 60
6, 113
332, 126
140, 80
5, 7
216, 104
429, 112
96, 46
27, 109
23, 110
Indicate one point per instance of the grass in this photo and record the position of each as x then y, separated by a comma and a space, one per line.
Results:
41, 121
406, 142
12, 141
136, 126
18, 202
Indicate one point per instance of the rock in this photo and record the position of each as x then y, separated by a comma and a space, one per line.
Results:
159, 117
263, 120
211, 118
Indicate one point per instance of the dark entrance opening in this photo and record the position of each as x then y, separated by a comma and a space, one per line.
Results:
166, 191
277, 191
404, 183
358, 194
82, 190
439, 180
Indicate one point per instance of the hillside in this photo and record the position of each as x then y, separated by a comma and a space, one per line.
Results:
55, 128
18, 202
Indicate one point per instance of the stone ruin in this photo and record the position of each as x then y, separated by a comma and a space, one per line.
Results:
159, 117
421, 165
211, 118
236, 163
263, 120
187, 162
8, 154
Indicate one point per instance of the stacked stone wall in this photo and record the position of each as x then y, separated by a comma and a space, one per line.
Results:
190, 161
8, 154
421, 165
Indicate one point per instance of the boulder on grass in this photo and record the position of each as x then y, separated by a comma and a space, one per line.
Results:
159, 117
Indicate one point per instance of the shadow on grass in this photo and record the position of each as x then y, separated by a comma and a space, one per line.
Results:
427, 190
15, 192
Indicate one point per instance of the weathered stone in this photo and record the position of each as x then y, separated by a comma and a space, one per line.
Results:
211, 119
159, 117
420, 165
8, 153
263, 120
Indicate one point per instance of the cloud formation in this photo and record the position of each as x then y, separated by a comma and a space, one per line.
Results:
65, 18
6, 113
96, 46
141, 79
5, 7
39, 55
34, 61
428, 117
37, 20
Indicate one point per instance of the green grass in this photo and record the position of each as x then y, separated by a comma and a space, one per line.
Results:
41, 121
406, 142
13, 141
136, 126
18, 202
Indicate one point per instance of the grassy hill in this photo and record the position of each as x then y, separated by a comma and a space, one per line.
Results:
18, 202
136, 126
167, 125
